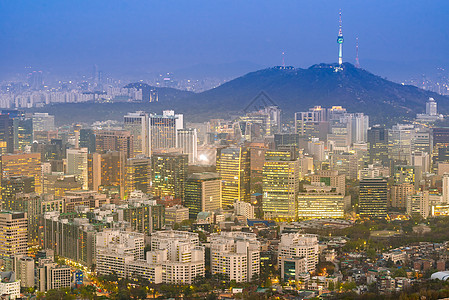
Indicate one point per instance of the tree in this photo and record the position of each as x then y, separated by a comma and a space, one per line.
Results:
349, 286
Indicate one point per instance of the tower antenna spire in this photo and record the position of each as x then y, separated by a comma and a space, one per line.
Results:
357, 62
340, 42
283, 59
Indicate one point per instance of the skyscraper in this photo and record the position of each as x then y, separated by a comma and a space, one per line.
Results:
234, 167
378, 144
115, 140
6, 134
43, 122
163, 130
20, 164
280, 185
77, 164
373, 197
138, 175
138, 124
87, 140
202, 193
169, 174
13, 234
188, 142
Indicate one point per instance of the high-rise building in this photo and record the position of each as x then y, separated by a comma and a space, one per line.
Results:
297, 245
169, 174
23, 133
114, 249
28, 164
236, 255
176, 214
280, 185
445, 180
234, 167
163, 130
202, 193
107, 172
15, 185
43, 122
418, 204
24, 269
13, 234
143, 217
399, 194
138, 175
321, 202
373, 199
431, 107
115, 140
87, 140
6, 134
407, 174
175, 258
73, 238
400, 143
138, 124
31, 204
188, 142
378, 144
77, 164
244, 209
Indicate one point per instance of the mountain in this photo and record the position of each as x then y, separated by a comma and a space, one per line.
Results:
295, 89
292, 89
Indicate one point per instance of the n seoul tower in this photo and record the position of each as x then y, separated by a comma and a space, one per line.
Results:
340, 44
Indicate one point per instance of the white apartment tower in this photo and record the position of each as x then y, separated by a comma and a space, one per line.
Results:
297, 245
235, 255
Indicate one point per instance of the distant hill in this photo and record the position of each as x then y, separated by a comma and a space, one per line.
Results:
298, 89
292, 89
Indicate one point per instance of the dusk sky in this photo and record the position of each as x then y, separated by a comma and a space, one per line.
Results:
151, 36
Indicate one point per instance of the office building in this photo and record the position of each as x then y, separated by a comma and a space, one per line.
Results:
176, 214
377, 138
163, 130
188, 143
77, 165
418, 205
13, 234
407, 174
169, 174
52, 276
28, 164
244, 209
107, 172
9, 285
43, 122
329, 178
115, 140
202, 193
399, 194
23, 133
321, 202
88, 140
373, 199
236, 255
233, 166
6, 134
280, 185
298, 245
400, 143
15, 185
137, 175
24, 270
137, 124
142, 216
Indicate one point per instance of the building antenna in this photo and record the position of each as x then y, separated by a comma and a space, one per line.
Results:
283, 59
357, 62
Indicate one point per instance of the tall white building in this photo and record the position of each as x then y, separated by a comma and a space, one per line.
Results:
175, 258
163, 130
77, 164
115, 249
445, 180
187, 140
138, 124
235, 255
43, 122
24, 269
245, 209
418, 204
9, 285
297, 245
431, 107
